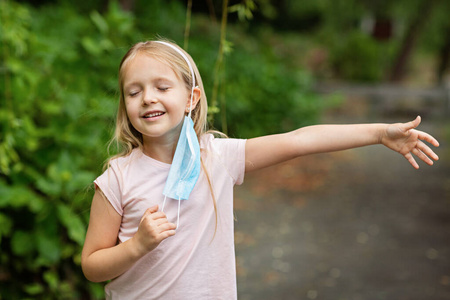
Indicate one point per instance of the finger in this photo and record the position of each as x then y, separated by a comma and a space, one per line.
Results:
411, 160
427, 150
159, 215
164, 235
167, 226
166, 231
153, 209
161, 221
422, 156
428, 138
149, 211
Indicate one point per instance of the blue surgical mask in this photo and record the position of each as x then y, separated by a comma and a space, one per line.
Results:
185, 168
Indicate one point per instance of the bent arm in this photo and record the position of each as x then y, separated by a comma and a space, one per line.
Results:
102, 259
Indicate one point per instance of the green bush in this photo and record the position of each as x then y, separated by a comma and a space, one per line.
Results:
359, 57
263, 94
58, 82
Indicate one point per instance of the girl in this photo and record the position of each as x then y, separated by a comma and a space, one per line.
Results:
143, 234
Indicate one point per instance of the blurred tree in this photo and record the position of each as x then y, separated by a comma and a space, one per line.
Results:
127, 5
444, 61
436, 39
386, 34
423, 12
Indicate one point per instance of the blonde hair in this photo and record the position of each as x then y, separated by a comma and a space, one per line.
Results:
126, 137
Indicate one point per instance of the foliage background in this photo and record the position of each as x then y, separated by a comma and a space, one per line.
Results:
58, 87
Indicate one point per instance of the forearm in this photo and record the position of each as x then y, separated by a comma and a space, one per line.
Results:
329, 138
108, 263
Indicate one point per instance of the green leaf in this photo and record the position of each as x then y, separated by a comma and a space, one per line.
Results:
49, 248
5, 226
49, 187
91, 46
52, 279
99, 22
22, 243
75, 227
19, 196
34, 289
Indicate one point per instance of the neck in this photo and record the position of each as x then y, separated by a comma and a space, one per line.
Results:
160, 150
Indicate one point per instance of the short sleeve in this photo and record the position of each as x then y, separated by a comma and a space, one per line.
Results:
111, 184
232, 154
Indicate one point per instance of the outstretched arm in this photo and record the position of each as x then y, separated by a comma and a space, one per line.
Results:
401, 137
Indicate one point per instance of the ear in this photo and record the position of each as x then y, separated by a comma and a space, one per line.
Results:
197, 94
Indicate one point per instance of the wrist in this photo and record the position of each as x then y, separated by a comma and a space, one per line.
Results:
381, 133
135, 249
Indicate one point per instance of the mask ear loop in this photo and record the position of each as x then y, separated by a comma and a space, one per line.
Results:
178, 215
190, 106
164, 203
179, 208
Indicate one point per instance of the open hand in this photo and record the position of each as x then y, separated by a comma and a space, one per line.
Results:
405, 139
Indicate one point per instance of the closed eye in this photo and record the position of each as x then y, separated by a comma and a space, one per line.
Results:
133, 93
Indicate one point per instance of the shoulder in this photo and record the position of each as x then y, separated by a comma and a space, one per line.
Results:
227, 150
224, 156
121, 163
118, 169
219, 144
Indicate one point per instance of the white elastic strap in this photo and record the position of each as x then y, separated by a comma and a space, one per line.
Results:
164, 203
190, 106
179, 208
178, 215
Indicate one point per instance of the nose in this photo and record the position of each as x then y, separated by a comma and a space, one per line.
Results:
148, 97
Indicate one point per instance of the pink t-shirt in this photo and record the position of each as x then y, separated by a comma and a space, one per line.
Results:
195, 263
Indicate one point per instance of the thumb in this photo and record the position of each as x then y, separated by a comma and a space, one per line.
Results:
413, 124
150, 211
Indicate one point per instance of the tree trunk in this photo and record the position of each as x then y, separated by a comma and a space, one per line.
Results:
444, 58
127, 5
410, 40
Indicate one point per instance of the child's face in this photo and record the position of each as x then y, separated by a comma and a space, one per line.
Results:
155, 98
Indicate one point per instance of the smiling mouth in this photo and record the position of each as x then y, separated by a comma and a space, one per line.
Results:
152, 115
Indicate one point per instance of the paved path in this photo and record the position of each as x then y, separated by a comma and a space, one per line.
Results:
364, 225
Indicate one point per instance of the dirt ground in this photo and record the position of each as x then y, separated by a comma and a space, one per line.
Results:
359, 224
